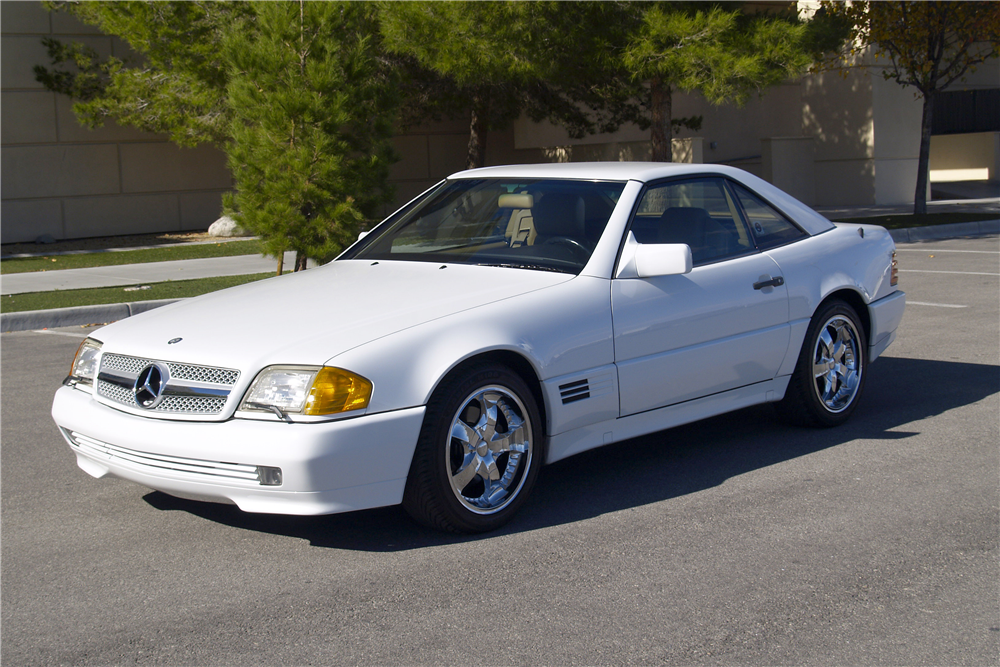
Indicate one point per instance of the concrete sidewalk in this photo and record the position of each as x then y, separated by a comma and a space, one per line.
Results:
841, 213
139, 274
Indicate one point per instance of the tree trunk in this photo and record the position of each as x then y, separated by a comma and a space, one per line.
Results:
281, 263
300, 261
920, 196
477, 131
661, 113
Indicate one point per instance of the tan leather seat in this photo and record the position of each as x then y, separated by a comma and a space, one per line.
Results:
560, 215
521, 228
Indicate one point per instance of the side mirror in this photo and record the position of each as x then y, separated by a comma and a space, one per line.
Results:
649, 260
662, 259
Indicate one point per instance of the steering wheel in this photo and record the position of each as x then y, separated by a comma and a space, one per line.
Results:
575, 246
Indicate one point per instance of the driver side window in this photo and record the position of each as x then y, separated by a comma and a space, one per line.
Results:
698, 212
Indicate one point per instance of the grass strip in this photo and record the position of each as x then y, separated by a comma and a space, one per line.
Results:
118, 257
905, 220
173, 289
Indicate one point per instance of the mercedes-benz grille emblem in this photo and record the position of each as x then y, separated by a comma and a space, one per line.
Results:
149, 385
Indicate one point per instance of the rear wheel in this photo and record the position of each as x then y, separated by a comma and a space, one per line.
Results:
830, 372
478, 453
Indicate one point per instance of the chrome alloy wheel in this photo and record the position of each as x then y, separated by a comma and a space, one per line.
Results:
837, 363
490, 449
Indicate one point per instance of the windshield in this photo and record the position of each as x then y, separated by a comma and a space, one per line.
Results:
531, 224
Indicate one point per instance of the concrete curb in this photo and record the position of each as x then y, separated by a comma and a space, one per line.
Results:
68, 317
937, 232
78, 315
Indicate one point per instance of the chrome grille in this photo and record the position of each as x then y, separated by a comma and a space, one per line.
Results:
190, 390
203, 374
192, 405
118, 362
116, 393
207, 374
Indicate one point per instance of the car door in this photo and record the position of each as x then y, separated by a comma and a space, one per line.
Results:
721, 326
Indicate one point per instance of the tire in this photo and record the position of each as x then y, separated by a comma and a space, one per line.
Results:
458, 481
830, 373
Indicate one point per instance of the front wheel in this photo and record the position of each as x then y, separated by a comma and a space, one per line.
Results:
830, 372
478, 453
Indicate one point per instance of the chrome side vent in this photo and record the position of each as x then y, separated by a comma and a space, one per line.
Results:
574, 391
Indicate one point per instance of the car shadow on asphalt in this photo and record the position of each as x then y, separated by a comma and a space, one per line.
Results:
653, 468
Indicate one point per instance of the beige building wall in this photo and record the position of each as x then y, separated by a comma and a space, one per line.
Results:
430, 152
790, 164
897, 115
828, 140
61, 180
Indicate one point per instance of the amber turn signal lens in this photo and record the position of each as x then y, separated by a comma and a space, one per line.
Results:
336, 390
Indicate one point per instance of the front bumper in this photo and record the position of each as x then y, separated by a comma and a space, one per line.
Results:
326, 467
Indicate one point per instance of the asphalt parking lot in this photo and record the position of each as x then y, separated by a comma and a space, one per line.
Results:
733, 540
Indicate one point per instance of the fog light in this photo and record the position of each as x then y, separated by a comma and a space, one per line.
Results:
269, 476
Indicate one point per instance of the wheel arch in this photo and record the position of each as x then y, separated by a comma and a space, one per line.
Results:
517, 363
854, 299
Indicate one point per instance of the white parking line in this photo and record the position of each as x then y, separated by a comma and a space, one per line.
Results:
957, 273
936, 305
937, 250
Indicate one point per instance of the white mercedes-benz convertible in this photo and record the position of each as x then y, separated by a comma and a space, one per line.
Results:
506, 318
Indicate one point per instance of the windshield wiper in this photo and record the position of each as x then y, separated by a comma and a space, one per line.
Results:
534, 267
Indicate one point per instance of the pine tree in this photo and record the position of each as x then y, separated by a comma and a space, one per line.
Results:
177, 84
495, 61
724, 54
311, 107
590, 66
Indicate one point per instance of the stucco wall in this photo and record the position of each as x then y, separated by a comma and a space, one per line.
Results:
66, 181
896, 113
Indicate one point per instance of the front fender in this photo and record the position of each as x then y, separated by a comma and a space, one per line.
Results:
558, 330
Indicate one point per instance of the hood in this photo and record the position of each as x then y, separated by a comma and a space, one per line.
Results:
311, 316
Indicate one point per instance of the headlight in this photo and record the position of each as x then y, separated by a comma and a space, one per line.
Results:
84, 368
307, 390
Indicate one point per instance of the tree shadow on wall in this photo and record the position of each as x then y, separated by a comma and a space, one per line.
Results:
653, 468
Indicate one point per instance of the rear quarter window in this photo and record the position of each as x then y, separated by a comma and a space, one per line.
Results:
769, 227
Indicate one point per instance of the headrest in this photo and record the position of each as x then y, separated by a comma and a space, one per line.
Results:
685, 216
515, 201
560, 214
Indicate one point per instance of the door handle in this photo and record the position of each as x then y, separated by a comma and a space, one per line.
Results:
776, 281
